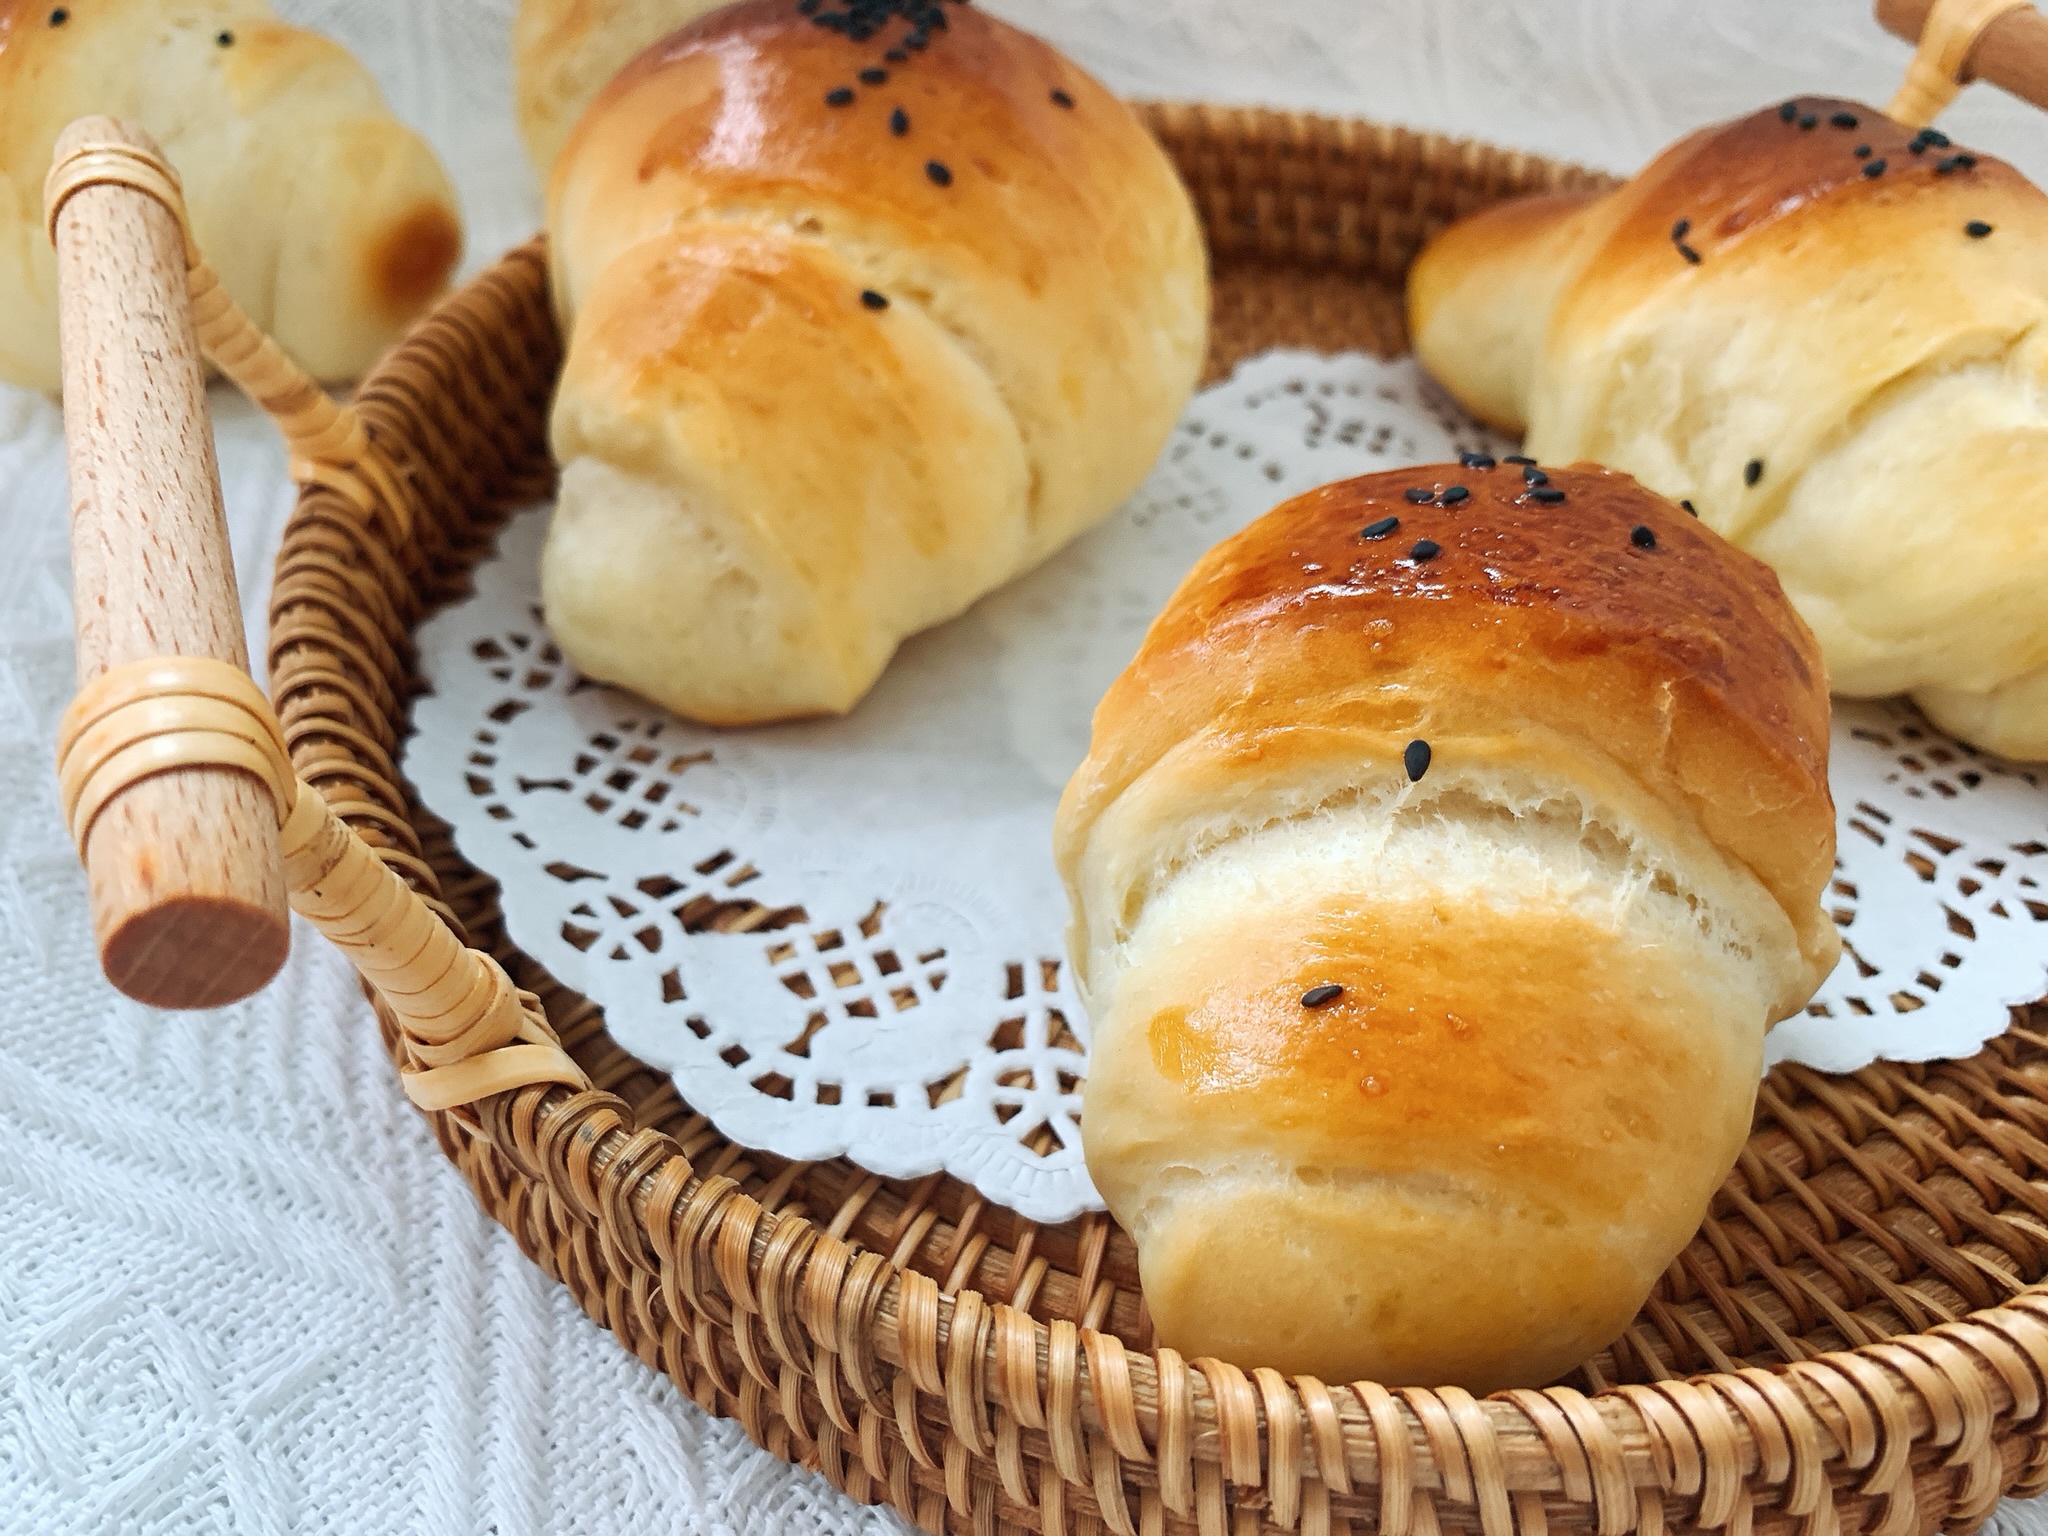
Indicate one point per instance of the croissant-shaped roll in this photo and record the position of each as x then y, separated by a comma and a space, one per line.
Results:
1830, 336
868, 310
1437, 868
329, 221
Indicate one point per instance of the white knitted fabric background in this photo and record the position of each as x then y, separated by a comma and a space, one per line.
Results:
240, 1291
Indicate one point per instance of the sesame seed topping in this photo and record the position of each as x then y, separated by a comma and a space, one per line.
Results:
874, 77
1425, 549
1788, 111
1531, 475
897, 56
1518, 458
1416, 760
1418, 495
808, 7
1752, 472
1692, 257
1844, 119
1689, 507
59, 16
1809, 121
1323, 996
1548, 495
1862, 151
1062, 99
899, 122
1954, 163
873, 300
936, 170
916, 41
1976, 229
1455, 494
1476, 460
1380, 529
225, 40
840, 96
1681, 229
1643, 536
1874, 168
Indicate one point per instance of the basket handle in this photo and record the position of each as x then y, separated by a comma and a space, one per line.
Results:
173, 772
2003, 41
188, 892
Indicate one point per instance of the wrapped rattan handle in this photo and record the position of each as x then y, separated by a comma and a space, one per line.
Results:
188, 891
2003, 41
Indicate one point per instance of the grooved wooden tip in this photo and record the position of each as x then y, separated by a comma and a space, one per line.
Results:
195, 951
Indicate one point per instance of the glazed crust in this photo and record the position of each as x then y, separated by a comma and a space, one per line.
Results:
1680, 666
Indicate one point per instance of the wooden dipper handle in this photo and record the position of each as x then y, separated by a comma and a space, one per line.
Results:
188, 890
2011, 54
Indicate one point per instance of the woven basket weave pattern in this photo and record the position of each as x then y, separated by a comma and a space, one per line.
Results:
981, 1372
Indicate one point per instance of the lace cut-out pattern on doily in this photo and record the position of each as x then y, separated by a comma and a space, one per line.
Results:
845, 936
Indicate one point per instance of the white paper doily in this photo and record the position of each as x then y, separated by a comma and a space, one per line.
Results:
904, 1000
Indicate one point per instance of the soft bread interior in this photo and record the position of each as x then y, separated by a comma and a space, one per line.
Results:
1481, 1157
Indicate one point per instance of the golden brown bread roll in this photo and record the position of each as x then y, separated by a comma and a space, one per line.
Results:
862, 322
1826, 333
1436, 871
329, 221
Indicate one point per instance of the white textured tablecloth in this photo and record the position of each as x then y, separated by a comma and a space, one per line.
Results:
240, 1291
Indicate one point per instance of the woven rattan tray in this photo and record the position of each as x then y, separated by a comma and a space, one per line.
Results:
1850, 1339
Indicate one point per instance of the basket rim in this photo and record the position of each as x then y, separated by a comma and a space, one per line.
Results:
1111, 1414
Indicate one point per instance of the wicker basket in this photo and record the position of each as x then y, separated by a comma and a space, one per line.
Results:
1850, 1340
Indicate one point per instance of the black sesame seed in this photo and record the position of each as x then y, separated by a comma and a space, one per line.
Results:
936, 169
1549, 495
874, 300
1415, 758
1517, 458
1862, 151
1455, 494
1062, 99
59, 16
1752, 472
1419, 496
1844, 119
1531, 475
916, 41
1323, 996
1692, 257
808, 7
1788, 111
899, 122
840, 96
1942, 167
1689, 507
859, 33
1380, 529
1936, 138
1476, 460
897, 56
1681, 229
1425, 549
874, 77
1874, 168
1809, 121
1976, 229
226, 39
1643, 536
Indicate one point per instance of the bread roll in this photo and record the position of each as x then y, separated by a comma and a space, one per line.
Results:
1436, 871
565, 51
862, 322
1830, 339
328, 220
